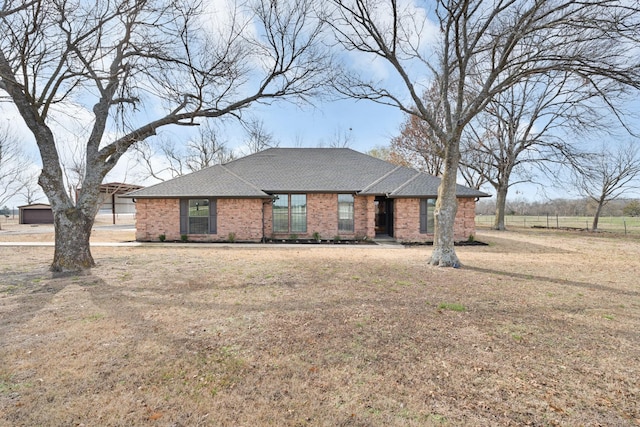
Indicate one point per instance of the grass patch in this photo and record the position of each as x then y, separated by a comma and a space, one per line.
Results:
9, 289
452, 306
93, 317
8, 385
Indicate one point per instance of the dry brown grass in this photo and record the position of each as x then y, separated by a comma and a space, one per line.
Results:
228, 335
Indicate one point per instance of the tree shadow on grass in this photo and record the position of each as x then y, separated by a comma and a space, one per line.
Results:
27, 293
563, 282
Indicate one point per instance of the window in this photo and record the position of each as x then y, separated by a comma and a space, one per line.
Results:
281, 213
426, 215
290, 213
198, 216
345, 213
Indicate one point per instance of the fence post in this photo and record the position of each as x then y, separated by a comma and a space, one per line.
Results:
557, 223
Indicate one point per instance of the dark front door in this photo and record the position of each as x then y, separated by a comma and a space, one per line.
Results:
384, 216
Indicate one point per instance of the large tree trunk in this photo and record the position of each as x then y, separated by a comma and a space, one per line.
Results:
501, 202
72, 233
444, 253
72, 221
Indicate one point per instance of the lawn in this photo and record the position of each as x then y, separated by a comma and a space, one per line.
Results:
537, 328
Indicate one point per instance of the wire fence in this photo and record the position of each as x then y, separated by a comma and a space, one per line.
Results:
614, 224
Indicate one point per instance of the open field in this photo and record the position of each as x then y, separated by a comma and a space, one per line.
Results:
538, 328
611, 224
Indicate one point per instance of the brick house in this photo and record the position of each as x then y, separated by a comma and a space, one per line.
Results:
281, 192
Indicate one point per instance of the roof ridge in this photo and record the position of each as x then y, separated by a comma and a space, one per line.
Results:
407, 182
243, 180
379, 179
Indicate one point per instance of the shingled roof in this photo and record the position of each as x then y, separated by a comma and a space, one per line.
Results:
302, 170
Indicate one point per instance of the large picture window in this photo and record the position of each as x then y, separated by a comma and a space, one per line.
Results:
427, 207
198, 216
345, 213
290, 213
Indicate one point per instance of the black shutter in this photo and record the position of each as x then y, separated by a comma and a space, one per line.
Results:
424, 210
184, 216
213, 216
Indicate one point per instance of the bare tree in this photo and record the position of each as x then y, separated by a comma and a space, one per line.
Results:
389, 155
527, 127
608, 174
418, 145
31, 191
165, 159
14, 166
115, 58
258, 137
341, 138
473, 51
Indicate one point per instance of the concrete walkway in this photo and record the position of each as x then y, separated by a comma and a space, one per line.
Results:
378, 245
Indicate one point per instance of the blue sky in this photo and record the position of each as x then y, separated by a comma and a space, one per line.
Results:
368, 124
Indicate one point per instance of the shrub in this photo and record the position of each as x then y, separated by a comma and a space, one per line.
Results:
632, 208
231, 237
316, 236
162, 237
184, 237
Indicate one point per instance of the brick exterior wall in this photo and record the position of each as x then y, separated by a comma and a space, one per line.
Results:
465, 224
155, 217
243, 218
407, 225
322, 218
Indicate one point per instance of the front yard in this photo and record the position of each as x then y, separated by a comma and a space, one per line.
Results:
538, 328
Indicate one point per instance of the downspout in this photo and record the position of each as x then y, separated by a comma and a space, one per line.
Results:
263, 224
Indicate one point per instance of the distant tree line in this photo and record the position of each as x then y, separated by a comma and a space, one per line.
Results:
561, 207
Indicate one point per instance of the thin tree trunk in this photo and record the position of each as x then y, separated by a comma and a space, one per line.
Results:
72, 251
501, 202
596, 217
444, 253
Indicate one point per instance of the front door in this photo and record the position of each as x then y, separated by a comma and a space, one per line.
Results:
384, 216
